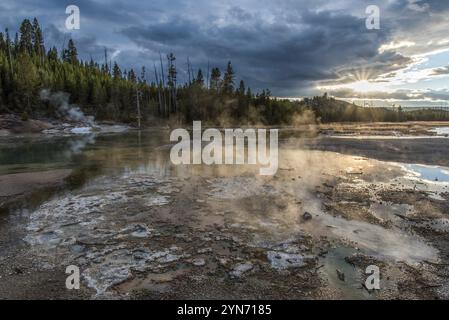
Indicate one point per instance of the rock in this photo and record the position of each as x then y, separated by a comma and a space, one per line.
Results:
12, 123
307, 216
140, 231
199, 262
240, 269
340, 275
282, 260
17, 270
204, 250
223, 261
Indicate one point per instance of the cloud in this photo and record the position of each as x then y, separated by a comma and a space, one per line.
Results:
396, 45
289, 46
284, 57
440, 71
400, 95
87, 45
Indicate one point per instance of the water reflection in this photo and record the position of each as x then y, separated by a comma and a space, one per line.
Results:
430, 173
93, 155
45, 153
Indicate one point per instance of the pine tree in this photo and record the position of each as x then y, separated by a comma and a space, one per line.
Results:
52, 54
200, 78
249, 94
228, 80
16, 43
143, 75
26, 80
38, 39
71, 55
2, 42
116, 72
215, 80
26, 35
171, 77
241, 89
132, 76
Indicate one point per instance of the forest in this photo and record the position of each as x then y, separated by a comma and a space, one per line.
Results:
107, 92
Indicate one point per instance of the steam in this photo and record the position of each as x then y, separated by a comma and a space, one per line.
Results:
76, 146
70, 112
304, 118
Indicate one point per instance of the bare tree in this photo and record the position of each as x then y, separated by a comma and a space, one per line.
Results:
163, 86
139, 116
158, 90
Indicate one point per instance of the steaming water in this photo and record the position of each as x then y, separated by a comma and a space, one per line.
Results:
351, 286
96, 158
71, 112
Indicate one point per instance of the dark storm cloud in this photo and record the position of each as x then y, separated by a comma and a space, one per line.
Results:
282, 56
87, 46
289, 46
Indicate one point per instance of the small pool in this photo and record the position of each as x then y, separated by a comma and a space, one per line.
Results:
431, 173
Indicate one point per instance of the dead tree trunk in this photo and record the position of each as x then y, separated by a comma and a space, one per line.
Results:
188, 70
207, 75
158, 91
163, 86
175, 105
10, 60
138, 106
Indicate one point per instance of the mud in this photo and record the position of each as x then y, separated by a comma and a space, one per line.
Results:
18, 186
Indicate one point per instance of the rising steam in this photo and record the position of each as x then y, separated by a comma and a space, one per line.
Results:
70, 112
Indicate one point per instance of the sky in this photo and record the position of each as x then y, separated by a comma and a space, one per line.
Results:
295, 48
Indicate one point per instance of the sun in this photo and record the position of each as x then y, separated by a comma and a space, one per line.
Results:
362, 86
360, 81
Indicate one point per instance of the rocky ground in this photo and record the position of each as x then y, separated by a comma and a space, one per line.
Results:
13, 124
296, 235
335, 207
385, 129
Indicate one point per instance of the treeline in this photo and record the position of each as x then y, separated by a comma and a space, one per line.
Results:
107, 92
328, 109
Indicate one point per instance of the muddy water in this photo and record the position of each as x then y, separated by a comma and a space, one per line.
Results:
128, 216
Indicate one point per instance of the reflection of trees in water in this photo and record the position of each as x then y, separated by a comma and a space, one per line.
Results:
43, 150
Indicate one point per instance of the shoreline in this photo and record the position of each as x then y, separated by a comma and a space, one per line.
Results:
12, 125
15, 187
